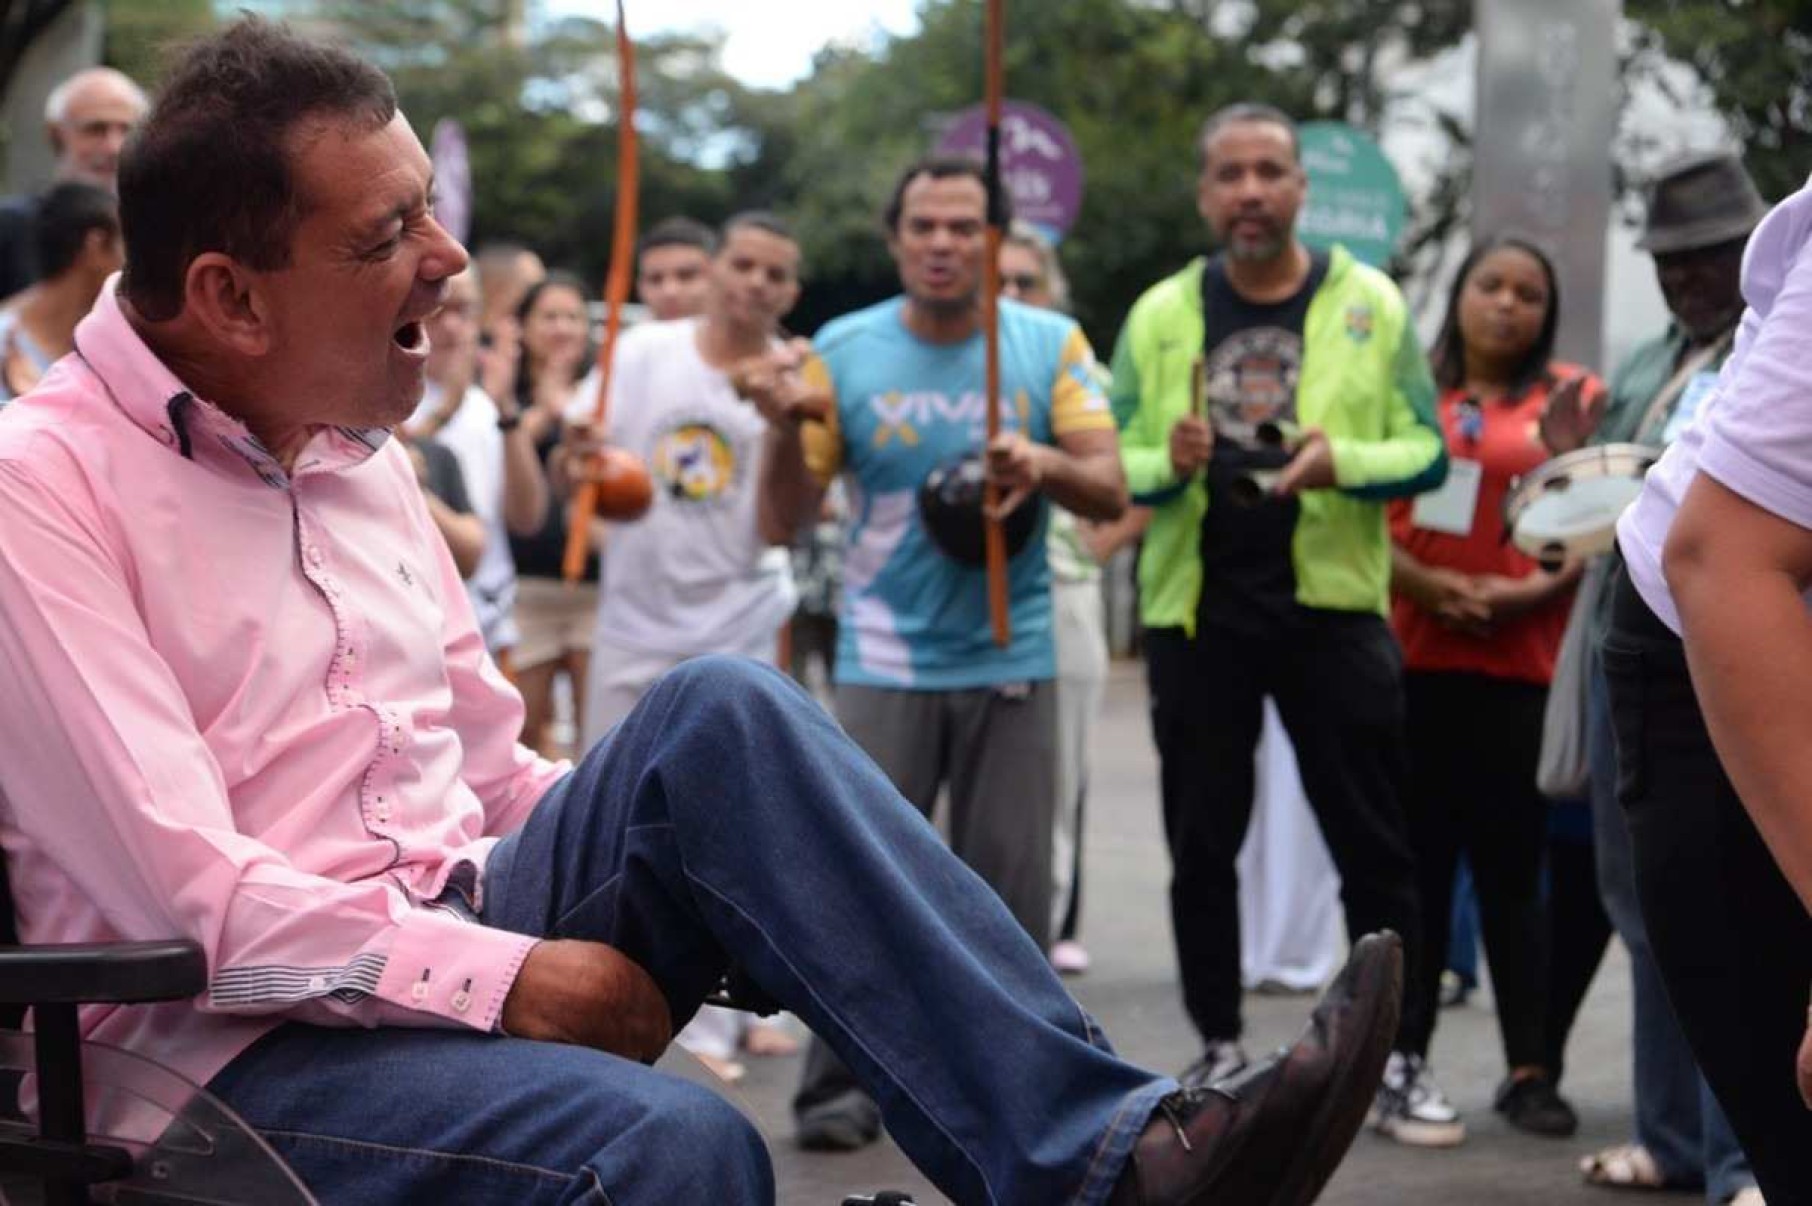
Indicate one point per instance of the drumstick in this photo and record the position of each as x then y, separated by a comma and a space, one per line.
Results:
1198, 388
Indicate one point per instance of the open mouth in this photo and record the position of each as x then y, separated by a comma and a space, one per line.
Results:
412, 337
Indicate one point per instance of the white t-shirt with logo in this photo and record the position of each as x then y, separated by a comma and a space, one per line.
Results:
475, 440
1753, 431
693, 575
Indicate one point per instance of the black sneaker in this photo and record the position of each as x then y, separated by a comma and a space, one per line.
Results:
844, 1124
1534, 1105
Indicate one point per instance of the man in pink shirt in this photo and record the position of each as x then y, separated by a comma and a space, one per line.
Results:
247, 704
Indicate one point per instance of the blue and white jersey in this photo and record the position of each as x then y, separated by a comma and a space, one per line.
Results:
911, 616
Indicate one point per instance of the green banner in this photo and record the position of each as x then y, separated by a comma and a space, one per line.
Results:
1355, 197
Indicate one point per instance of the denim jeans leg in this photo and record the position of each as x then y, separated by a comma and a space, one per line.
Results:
377, 1117
1727, 1171
1666, 1081
729, 818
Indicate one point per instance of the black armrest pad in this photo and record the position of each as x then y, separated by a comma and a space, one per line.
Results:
113, 972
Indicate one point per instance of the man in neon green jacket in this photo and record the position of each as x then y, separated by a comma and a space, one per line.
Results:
1270, 400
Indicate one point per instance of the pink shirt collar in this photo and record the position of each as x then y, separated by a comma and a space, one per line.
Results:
171, 413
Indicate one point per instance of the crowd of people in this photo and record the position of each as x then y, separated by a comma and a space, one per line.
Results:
1323, 517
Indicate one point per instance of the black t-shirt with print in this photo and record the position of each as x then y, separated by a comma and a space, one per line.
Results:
1252, 357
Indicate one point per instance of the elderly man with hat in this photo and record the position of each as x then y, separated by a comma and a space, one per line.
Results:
1701, 210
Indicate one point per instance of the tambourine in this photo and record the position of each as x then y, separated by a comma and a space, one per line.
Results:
1569, 506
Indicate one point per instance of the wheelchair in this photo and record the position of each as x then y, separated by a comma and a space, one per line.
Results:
206, 1155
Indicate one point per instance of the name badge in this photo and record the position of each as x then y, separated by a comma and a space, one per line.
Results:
1453, 508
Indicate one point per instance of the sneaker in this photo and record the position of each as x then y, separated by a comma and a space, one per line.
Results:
843, 1124
1534, 1105
1069, 958
1455, 992
1222, 1059
1411, 1108
1751, 1196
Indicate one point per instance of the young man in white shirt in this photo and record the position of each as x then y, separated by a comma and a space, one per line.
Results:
694, 576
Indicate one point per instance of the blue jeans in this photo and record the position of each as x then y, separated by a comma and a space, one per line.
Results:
727, 818
1463, 933
1678, 1119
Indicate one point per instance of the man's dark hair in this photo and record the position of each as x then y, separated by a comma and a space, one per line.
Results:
1449, 355
938, 167
65, 217
1242, 112
211, 168
762, 220
678, 232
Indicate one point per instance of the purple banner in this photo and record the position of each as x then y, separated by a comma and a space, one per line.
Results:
1039, 161
452, 179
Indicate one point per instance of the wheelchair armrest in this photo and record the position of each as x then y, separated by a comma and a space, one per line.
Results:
110, 972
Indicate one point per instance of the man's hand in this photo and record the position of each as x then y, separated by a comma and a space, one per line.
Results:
1191, 444
497, 365
590, 995
1570, 417
1312, 468
1802, 1067
773, 383
1016, 467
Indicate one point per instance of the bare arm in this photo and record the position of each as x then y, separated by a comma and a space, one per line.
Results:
463, 533
1106, 539
790, 492
1511, 597
789, 390
1080, 473
1737, 574
525, 493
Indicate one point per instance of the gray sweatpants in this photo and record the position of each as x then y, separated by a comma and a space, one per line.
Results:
995, 749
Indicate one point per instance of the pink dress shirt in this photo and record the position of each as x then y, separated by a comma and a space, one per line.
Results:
244, 706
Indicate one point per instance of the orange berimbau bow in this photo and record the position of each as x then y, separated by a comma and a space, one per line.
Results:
616, 290
996, 541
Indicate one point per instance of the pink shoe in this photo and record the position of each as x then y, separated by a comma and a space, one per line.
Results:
1069, 958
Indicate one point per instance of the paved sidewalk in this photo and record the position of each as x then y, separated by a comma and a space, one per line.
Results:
1132, 990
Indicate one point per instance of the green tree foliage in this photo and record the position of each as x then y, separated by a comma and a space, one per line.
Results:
540, 116
141, 33
1755, 60
1133, 79
1133, 83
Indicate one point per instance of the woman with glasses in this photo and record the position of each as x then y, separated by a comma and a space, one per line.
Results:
1480, 625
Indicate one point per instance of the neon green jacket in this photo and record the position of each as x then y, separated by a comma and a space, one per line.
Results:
1364, 381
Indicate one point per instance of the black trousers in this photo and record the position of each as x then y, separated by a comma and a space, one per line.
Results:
1733, 942
1579, 932
1337, 679
1473, 745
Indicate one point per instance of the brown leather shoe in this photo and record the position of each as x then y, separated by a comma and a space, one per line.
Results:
1273, 1134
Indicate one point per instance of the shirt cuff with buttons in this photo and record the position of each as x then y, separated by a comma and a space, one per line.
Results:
457, 969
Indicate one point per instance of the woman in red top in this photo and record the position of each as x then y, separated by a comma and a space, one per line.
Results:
1481, 625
